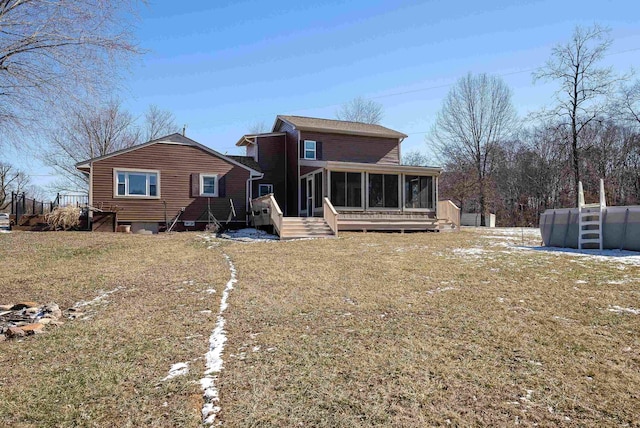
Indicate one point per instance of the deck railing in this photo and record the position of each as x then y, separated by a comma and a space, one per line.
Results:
447, 210
330, 215
269, 212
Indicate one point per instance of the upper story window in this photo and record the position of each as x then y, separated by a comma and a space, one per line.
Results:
209, 185
310, 149
137, 184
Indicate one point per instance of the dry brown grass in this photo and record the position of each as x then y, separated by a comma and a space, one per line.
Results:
106, 370
364, 330
401, 330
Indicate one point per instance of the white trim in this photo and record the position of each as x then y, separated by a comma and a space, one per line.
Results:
382, 169
128, 171
315, 149
269, 187
204, 175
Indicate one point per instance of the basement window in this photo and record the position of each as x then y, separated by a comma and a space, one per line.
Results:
137, 184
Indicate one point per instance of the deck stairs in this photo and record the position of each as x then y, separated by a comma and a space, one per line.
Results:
305, 227
590, 219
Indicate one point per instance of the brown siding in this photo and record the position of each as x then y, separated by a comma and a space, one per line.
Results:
176, 163
355, 148
272, 163
291, 204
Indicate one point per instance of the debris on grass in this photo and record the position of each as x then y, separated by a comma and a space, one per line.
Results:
64, 218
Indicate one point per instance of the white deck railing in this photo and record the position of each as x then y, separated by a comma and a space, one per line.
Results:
447, 210
330, 215
273, 213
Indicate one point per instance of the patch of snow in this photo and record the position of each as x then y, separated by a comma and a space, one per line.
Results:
469, 251
5, 231
501, 299
256, 348
440, 290
206, 312
621, 310
218, 337
210, 291
248, 235
177, 369
97, 299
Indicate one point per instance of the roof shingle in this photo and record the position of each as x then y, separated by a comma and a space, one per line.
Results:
340, 127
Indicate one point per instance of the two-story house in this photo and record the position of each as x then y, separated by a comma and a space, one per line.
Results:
301, 167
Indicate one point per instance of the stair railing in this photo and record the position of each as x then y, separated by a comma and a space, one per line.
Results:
330, 215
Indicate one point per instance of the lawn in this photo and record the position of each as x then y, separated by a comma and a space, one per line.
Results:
462, 329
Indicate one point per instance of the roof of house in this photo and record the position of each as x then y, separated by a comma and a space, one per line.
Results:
339, 126
247, 161
180, 139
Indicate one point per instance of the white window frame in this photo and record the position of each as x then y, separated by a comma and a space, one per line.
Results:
217, 185
127, 172
315, 147
268, 186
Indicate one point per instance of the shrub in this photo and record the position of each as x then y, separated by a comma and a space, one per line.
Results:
64, 218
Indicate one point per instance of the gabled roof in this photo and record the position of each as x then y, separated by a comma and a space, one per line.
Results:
338, 126
175, 138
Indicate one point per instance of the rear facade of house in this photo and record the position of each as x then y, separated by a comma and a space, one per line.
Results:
299, 167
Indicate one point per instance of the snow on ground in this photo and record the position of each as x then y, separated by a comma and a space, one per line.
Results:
177, 369
521, 238
98, 299
218, 337
621, 310
248, 235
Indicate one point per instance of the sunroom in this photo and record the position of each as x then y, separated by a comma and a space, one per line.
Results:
365, 191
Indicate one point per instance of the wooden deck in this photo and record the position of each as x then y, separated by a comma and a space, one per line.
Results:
380, 221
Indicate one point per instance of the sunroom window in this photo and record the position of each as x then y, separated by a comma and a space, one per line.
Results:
383, 191
137, 183
418, 192
346, 189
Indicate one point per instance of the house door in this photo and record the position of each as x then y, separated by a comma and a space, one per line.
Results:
310, 196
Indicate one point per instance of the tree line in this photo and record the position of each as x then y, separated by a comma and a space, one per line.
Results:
516, 168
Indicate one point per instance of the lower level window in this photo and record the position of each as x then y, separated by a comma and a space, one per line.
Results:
137, 183
265, 189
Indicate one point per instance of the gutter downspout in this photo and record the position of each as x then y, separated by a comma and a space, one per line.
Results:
249, 193
90, 211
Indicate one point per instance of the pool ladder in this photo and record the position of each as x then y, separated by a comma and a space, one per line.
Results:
590, 219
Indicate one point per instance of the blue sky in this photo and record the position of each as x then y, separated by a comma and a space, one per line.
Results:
221, 66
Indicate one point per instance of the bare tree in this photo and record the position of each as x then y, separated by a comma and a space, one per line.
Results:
89, 133
56, 50
416, 158
476, 117
11, 180
584, 86
361, 110
158, 123
258, 128
630, 102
